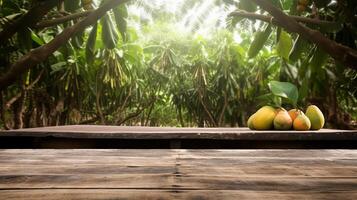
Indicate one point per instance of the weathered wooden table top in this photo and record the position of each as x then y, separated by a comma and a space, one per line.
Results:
137, 132
177, 174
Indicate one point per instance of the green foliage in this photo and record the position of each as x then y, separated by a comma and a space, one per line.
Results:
120, 14
181, 67
284, 45
109, 32
247, 5
259, 40
300, 45
281, 3
90, 46
72, 5
318, 60
36, 39
285, 90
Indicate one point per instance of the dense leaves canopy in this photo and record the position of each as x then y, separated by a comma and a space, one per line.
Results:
176, 63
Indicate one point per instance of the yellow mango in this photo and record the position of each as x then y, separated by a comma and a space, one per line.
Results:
316, 117
264, 117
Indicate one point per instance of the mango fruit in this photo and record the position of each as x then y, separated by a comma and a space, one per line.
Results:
294, 113
315, 116
282, 120
302, 122
264, 118
250, 122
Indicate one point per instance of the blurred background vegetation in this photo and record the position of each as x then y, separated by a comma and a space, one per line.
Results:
175, 63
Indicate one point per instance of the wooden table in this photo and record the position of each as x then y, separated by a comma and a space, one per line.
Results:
86, 136
177, 174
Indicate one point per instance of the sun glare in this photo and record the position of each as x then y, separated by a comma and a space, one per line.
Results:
198, 17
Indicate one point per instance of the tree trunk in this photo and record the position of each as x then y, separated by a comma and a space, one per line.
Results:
99, 109
2, 111
147, 120
19, 109
61, 20
181, 118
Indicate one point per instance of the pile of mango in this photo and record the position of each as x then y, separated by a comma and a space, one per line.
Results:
268, 118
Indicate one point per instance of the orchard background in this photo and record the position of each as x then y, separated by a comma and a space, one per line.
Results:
173, 63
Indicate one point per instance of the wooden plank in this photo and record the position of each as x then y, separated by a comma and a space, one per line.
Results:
187, 153
119, 181
241, 171
91, 152
268, 169
271, 171
274, 153
72, 169
206, 162
89, 160
178, 174
172, 182
123, 132
269, 183
105, 194
86, 194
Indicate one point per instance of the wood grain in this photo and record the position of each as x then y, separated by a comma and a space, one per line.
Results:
177, 174
140, 194
132, 132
